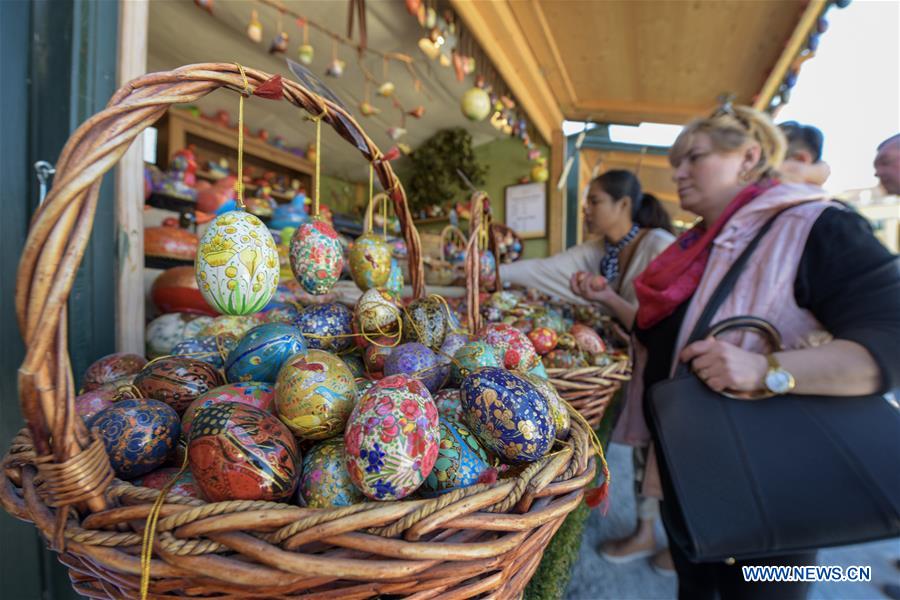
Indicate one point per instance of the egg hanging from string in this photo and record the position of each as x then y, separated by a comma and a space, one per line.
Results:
305, 54
335, 68
279, 44
476, 104
254, 28
237, 264
316, 256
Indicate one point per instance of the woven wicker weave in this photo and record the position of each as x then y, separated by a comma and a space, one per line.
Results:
484, 540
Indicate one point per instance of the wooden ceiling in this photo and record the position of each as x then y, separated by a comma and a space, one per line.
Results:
633, 61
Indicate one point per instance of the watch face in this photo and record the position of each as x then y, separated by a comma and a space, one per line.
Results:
778, 381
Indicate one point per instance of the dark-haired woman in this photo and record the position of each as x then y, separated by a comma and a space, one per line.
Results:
631, 227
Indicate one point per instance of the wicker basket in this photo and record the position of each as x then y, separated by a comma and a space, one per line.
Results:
484, 540
589, 390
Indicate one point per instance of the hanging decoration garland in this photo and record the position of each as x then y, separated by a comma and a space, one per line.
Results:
305, 52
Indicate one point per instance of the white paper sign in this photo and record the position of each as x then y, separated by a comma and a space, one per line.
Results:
526, 209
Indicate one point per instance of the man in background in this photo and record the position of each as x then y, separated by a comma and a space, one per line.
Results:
803, 161
887, 164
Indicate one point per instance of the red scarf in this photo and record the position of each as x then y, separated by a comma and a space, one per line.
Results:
673, 276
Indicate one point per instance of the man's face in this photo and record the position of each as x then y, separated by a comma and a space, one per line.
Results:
887, 167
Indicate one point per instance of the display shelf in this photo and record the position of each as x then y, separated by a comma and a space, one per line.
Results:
162, 263
281, 197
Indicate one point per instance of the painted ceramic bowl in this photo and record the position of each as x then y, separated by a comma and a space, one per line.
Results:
316, 256
139, 435
239, 452
314, 394
416, 360
325, 481
212, 349
392, 438
261, 352
512, 347
510, 417
253, 393
177, 380
471, 356
461, 460
237, 264
112, 367
370, 261
327, 326
175, 290
164, 332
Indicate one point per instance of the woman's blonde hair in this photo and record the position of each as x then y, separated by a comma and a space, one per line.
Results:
730, 129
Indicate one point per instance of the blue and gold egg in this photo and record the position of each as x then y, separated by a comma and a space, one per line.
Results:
325, 481
416, 360
471, 356
212, 349
461, 460
261, 352
327, 326
510, 417
139, 435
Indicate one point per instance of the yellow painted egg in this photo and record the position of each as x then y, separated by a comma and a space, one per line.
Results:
370, 261
377, 312
237, 264
314, 394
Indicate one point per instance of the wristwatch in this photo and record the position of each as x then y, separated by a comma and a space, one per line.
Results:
778, 381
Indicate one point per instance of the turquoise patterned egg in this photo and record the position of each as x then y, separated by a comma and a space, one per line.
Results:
316, 256
164, 332
460, 463
416, 360
325, 481
333, 320
471, 356
510, 417
210, 349
394, 284
539, 370
452, 343
314, 394
561, 418
512, 347
448, 404
370, 261
392, 438
237, 264
260, 354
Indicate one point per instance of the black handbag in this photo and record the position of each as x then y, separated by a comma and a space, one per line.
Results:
755, 478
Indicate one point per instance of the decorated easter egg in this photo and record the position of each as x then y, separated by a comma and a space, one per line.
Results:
512, 347
139, 435
566, 341
448, 404
426, 320
377, 313
212, 349
543, 339
236, 325
237, 264
473, 355
487, 274
112, 367
175, 290
558, 410
261, 352
239, 452
551, 320
356, 365
526, 326
460, 462
392, 438
416, 360
184, 485
507, 414
370, 261
253, 393
476, 104
376, 353
314, 394
281, 313
164, 332
563, 359
177, 380
316, 256
325, 481
587, 339
539, 370
327, 326
89, 404
394, 283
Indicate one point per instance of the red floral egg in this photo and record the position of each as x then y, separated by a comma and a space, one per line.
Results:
111, 368
544, 339
587, 339
238, 452
177, 380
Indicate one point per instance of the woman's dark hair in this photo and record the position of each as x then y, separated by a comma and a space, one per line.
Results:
646, 209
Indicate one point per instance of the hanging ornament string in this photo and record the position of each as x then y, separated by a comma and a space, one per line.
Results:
318, 120
239, 184
150, 528
371, 192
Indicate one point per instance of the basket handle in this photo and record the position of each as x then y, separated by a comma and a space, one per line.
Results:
451, 231
480, 219
61, 228
368, 222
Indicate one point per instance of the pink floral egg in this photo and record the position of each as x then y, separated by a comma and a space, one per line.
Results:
392, 438
316, 256
587, 339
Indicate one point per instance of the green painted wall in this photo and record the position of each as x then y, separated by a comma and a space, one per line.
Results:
508, 163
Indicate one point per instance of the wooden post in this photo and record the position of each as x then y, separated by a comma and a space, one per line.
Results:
133, 26
557, 205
